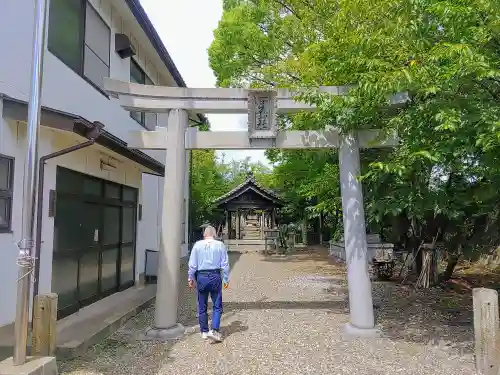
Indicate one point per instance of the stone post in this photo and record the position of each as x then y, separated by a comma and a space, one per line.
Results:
226, 224
44, 325
485, 305
304, 231
320, 229
166, 326
237, 225
362, 320
262, 219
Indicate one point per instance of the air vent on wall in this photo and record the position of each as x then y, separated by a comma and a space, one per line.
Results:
123, 46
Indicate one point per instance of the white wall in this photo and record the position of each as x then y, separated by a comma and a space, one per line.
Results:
148, 233
10, 145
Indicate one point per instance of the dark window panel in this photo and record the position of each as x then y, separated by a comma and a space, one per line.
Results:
109, 275
127, 265
89, 275
65, 35
6, 173
97, 35
5, 212
112, 191
65, 280
94, 69
80, 38
111, 228
137, 75
129, 194
6, 192
129, 220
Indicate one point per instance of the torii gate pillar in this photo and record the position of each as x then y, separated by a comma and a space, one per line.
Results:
167, 289
362, 319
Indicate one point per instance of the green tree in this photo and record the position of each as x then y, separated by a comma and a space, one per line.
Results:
445, 53
207, 183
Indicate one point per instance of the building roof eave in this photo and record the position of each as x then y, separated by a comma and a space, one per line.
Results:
17, 109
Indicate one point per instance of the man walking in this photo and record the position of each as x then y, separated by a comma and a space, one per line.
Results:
209, 267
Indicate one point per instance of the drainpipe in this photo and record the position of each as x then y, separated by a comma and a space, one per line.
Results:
92, 136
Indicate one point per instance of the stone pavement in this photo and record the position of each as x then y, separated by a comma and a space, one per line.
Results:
283, 315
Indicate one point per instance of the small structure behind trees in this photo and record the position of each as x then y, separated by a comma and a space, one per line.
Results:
249, 210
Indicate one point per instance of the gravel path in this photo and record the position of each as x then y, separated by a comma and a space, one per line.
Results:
282, 315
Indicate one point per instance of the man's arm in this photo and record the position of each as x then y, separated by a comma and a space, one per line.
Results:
224, 264
193, 263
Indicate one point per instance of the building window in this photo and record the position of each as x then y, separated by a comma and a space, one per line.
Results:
137, 75
80, 38
6, 187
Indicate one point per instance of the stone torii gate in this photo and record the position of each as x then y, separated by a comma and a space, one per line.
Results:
173, 135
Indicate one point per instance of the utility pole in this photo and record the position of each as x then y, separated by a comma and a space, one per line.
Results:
26, 259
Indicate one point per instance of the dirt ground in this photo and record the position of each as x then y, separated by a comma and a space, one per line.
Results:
285, 315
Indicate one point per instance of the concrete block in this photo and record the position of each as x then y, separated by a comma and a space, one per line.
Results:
33, 366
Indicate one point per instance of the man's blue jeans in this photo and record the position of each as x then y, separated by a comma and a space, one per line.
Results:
209, 283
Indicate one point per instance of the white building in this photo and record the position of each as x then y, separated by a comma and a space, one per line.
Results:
100, 203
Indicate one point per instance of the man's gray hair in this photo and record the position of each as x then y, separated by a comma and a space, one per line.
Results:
210, 232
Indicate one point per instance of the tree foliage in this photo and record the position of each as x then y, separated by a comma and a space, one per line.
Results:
443, 177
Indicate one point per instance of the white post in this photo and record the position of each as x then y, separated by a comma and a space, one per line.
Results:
166, 326
362, 320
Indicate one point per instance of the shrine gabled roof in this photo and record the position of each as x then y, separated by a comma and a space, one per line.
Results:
249, 184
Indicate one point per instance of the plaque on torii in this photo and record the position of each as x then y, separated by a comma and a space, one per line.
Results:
262, 114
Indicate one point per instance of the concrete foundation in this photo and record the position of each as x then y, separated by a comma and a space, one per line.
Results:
354, 332
33, 366
164, 334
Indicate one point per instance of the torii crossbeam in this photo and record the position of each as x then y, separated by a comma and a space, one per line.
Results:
173, 135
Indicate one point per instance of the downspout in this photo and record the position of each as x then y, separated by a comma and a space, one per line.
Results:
92, 136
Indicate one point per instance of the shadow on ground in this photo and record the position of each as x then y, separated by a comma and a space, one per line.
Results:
439, 313
434, 316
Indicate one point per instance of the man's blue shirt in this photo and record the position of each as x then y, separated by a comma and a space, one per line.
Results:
209, 254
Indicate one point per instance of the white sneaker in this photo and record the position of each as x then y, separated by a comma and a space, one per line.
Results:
205, 335
215, 336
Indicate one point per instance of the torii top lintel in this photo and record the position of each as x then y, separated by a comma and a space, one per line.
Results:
147, 98
260, 105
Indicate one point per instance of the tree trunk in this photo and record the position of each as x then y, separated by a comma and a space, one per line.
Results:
450, 267
419, 260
